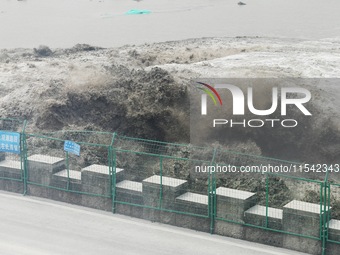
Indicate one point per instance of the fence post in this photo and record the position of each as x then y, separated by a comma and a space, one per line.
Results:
68, 172
325, 212
212, 194
328, 209
112, 170
213, 203
161, 182
323, 215
267, 199
23, 156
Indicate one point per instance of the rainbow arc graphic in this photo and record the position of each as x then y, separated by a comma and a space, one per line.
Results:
211, 91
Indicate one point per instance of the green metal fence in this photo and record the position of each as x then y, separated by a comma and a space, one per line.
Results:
84, 174
177, 180
268, 192
333, 201
163, 165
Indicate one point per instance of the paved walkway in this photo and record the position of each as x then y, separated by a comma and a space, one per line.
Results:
36, 226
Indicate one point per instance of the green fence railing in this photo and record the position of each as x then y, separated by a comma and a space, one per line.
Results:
178, 179
96, 157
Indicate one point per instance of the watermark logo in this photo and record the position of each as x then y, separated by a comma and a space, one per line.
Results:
211, 91
279, 101
239, 99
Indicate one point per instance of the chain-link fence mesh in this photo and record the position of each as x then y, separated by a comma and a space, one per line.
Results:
162, 176
90, 172
221, 185
333, 234
196, 187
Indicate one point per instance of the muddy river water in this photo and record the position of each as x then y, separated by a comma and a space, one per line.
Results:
64, 23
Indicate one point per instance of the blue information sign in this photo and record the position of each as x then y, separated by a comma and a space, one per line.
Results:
10, 142
72, 147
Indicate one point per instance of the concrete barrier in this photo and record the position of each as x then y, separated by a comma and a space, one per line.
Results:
302, 218
171, 188
10, 175
195, 204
